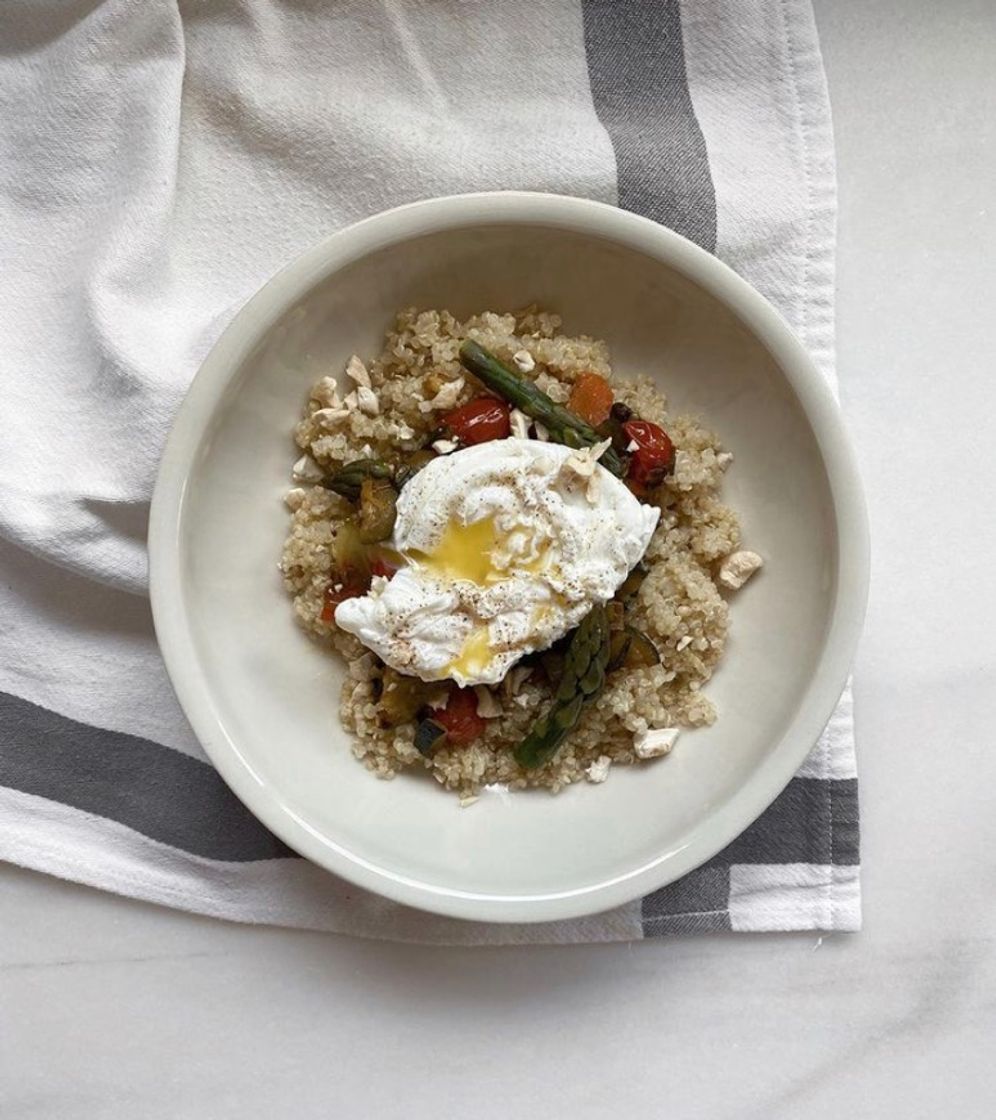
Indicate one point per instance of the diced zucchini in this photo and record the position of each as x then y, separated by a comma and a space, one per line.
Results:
630, 648
428, 736
619, 643
400, 699
642, 652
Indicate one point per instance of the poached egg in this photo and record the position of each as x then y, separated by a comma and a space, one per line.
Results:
507, 546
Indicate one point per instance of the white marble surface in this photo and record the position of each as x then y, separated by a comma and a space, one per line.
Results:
111, 1008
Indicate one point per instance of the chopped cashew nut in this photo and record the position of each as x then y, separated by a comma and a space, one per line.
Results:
366, 398
325, 393
519, 423
541, 433
357, 372
523, 361
598, 771
295, 498
516, 678
444, 446
377, 584
683, 643
330, 415
487, 706
445, 398
591, 490
582, 461
307, 470
632, 446
467, 801
737, 569
654, 743
351, 401
724, 459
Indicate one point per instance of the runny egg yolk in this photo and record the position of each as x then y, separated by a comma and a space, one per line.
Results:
466, 552
463, 552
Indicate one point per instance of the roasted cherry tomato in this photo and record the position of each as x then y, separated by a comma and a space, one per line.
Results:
333, 598
459, 718
380, 566
652, 457
354, 579
479, 420
591, 398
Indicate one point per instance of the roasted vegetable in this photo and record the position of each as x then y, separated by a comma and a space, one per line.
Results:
459, 719
591, 398
630, 648
351, 569
400, 699
347, 480
350, 556
619, 643
378, 509
563, 426
642, 651
385, 562
582, 680
428, 735
612, 428
412, 465
653, 456
479, 421
335, 594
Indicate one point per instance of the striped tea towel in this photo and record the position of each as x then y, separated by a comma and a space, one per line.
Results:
159, 161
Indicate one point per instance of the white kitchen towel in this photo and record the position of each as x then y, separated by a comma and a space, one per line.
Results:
160, 159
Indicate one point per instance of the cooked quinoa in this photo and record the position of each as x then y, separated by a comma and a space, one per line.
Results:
678, 605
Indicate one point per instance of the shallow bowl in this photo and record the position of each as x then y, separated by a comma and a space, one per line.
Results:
263, 699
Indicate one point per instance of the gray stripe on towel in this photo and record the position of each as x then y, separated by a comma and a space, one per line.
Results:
639, 86
152, 789
696, 903
813, 820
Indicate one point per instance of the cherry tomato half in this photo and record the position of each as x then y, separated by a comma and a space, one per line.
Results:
479, 420
653, 456
459, 718
333, 598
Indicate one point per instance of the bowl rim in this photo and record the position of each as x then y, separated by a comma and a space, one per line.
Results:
601, 220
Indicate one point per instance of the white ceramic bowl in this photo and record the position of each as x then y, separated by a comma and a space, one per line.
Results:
263, 699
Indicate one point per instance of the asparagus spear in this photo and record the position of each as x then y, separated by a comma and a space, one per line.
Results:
348, 479
581, 681
560, 422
